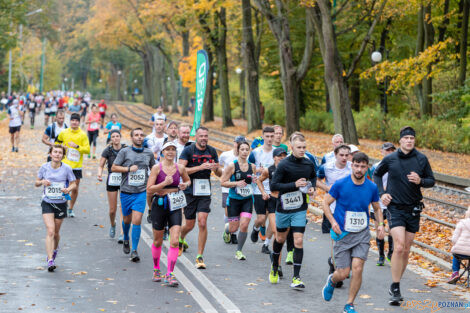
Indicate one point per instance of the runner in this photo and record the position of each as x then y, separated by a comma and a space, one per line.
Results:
74, 107
113, 182
54, 109
93, 128
408, 171
183, 138
84, 104
294, 178
225, 159
53, 130
337, 140
15, 114
156, 116
47, 111
262, 157
277, 140
350, 227
387, 148
278, 154
167, 204
76, 142
58, 181
134, 162
32, 107
199, 159
3, 101
102, 108
156, 138
239, 177
113, 124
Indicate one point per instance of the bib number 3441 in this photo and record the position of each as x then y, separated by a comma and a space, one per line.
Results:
292, 200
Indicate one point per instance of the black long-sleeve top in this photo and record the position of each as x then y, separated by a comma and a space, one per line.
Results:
399, 165
287, 173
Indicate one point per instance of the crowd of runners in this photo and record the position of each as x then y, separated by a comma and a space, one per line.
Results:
266, 183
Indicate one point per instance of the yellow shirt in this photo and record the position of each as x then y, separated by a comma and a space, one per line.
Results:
74, 156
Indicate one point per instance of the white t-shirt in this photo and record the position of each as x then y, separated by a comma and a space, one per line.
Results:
225, 159
155, 144
179, 149
4, 101
384, 182
330, 156
14, 111
331, 173
264, 160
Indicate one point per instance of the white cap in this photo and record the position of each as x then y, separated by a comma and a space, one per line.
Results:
353, 148
169, 144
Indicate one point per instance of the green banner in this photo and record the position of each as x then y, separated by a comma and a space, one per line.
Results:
202, 69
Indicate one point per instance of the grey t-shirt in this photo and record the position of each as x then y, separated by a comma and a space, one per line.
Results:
135, 182
59, 178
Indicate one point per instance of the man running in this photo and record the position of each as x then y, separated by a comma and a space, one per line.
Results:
113, 182
102, 108
53, 130
239, 177
155, 139
408, 170
294, 178
199, 159
166, 182
134, 163
225, 159
32, 108
183, 138
15, 115
277, 140
172, 132
76, 142
350, 227
337, 140
157, 115
387, 148
58, 181
262, 157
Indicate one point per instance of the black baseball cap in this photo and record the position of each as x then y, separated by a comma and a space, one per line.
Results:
388, 145
279, 151
239, 139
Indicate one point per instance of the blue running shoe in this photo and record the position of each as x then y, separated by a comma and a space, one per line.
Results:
349, 308
121, 239
328, 289
112, 231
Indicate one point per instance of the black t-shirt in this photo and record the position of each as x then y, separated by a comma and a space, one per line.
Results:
110, 154
196, 157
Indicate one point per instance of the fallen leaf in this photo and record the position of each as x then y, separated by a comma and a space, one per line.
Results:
69, 281
80, 273
29, 244
364, 296
267, 303
251, 284
420, 291
188, 306
304, 310
109, 278
101, 226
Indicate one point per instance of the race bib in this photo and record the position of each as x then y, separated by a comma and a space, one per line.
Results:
95, 125
101, 109
54, 191
292, 200
137, 178
32, 105
201, 187
115, 127
177, 200
47, 110
15, 114
355, 221
73, 155
114, 179
245, 191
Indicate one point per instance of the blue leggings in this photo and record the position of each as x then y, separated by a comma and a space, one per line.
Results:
456, 262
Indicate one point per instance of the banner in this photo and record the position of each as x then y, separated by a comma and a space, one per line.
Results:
202, 69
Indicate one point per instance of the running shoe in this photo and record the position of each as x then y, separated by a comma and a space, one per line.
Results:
328, 289
16, 149
234, 239
226, 235
331, 271
135, 256
94, 156
112, 231
51, 265
200, 263
279, 271
13, 149
126, 248
273, 276
265, 249
170, 280
290, 258
389, 257
240, 256
157, 275
349, 308
185, 244
454, 278
381, 261
262, 233
395, 296
54, 254
297, 283
70, 213
254, 235
180, 248
121, 239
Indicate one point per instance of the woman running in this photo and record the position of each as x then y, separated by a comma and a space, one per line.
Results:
93, 128
238, 176
113, 182
112, 125
58, 180
165, 185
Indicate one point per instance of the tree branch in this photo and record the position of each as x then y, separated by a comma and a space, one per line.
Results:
302, 69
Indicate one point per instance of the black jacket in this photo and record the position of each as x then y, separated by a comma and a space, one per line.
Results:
399, 165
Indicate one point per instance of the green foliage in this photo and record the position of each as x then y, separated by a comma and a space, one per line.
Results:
318, 121
454, 104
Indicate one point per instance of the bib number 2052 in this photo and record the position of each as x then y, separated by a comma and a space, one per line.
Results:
137, 178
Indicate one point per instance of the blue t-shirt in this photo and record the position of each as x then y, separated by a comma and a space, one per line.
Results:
352, 197
257, 142
112, 126
75, 108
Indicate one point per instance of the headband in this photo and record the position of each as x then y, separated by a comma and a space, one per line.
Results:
408, 131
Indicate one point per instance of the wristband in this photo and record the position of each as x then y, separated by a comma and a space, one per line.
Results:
381, 224
128, 169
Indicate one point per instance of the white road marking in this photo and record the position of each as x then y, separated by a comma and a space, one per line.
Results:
206, 306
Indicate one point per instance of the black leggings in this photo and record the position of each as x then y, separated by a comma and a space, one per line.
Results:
92, 136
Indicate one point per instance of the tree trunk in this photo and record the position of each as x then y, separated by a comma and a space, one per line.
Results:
152, 86
419, 49
459, 24
251, 73
185, 91
209, 96
335, 82
163, 82
174, 87
445, 22
355, 88
428, 41
222, 67
464, 42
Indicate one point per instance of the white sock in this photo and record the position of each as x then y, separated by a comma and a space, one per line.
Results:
266, 242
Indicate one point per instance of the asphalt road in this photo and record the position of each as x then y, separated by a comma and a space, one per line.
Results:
93, 275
